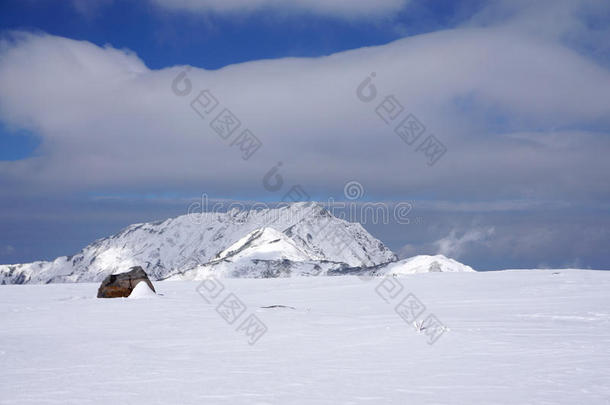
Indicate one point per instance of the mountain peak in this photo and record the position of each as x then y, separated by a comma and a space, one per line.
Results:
426, 264
265, 243
176, 245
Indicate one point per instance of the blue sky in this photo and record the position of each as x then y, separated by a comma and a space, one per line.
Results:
164, 38
212, 41
93, 139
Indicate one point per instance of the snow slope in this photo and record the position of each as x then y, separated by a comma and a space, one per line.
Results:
266, 244
514, 337
182, 243
263, 253
142, 290
424, 264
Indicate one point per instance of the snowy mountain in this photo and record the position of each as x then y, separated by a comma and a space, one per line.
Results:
411, 265
267, 253
424, 264
263, 253
294, 238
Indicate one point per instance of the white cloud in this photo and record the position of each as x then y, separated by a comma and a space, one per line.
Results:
108, 123
456, 244
335, 8
7, 250
578, 23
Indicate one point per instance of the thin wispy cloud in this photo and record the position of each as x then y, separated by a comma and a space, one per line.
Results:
335, 8
454, 244
110, 116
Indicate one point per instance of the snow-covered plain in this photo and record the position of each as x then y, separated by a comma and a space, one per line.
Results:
518, 337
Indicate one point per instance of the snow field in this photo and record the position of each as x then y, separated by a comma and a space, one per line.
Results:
514, 337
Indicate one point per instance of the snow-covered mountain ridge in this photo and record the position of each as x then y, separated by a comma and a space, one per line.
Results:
425, 264
264, 253
298, 239
179, 244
